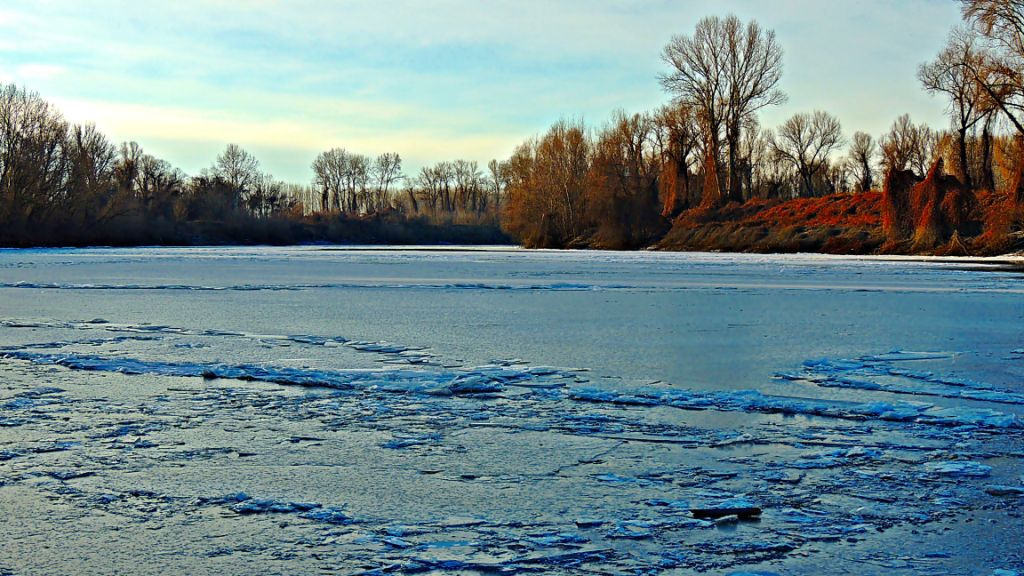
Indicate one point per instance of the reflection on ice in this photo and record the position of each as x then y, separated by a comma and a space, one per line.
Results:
211, 444
812, 486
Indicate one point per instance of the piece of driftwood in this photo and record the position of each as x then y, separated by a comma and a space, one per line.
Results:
742, 513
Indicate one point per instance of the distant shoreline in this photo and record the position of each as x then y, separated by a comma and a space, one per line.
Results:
1009, 262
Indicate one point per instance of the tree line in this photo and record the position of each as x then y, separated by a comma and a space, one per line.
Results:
621, 185
64, 183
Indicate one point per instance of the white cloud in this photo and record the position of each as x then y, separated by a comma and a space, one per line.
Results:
211, 130
433, 80
30, 73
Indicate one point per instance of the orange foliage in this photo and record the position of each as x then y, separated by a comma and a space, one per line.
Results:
836, 224
941, 207
896, 218
958, 206
998, 210
671, 189
941, 217
863, 210
925, 200
836, 210
713, 197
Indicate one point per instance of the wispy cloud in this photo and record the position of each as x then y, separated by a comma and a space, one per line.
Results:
431, 80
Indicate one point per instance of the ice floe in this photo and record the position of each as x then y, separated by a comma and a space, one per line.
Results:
724, 499
884, 372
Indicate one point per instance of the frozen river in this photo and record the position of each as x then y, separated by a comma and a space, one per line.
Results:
317, 410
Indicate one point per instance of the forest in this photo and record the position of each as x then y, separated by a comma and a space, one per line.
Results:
698, 173
702, 173
64, 184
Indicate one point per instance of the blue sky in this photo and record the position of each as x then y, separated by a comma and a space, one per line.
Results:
431, 80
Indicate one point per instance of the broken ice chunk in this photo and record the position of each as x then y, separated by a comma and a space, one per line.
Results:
998, 490
328, 515
549, 539
267, 506
978, 416
632, 530
397, 542
966, 468
739, 506
475, 384
905, 356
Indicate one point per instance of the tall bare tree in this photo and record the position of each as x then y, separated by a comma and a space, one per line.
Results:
1000, 71
467, 179
729, 71
435, 184
33, 159
952, 74
679, 136
357, 183
160, 187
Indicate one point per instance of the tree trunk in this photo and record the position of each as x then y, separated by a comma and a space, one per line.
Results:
865, 179
712, 192
987, 178
1017, 185
735, 185
963, 167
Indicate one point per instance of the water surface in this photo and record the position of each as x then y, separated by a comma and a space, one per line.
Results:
506, 410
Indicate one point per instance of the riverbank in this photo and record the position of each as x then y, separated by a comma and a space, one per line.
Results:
378, 229
839, 224
835, 224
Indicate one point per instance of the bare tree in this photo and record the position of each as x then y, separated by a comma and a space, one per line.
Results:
1002, 20
623, 182
268, 197
760, 167
160, 186
357, 183
329, 178
805, 141
952, 74
387, 170
927, 149
497, 181
343, 179
128, 167
434, 183
467, 179
862, 157
1000, 70
239, 170
33, 160
678, 135
729, 71
898, 144
444, 172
